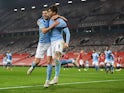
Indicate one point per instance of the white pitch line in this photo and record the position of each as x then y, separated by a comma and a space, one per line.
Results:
72, 83
101, 81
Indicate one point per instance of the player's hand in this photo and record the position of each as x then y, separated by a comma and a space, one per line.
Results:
66, 45
55, 17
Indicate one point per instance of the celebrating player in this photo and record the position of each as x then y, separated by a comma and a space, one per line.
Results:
57, 45
44, 39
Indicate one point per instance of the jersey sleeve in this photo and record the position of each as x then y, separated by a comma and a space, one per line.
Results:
62, 23
40, 24
67, 32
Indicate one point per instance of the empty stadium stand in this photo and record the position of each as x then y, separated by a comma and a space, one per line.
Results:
96, 23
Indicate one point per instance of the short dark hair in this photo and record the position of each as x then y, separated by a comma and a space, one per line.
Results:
53, 8
44, 9
94, 50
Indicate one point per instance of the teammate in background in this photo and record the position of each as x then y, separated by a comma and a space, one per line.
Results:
109, 60
95, 60
44, 39
4, 61
57, 45
9, 60
101, 61
80, 59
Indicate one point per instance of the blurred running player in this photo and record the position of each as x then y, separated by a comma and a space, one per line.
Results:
80, 59
118, 60
9, 60
95, 60
109, 60
4, 61
118, 63
101, 61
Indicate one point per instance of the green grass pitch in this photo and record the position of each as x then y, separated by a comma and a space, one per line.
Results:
70, 81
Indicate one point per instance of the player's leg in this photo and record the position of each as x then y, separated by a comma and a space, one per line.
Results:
101, 66
34, 64
109, 67
119, 67
75, 62
93, 64
49, 67
80, 65
10, 65
112, 67
96, 66
41, 49
86, 67
63, 62
7, 65
57, 67
83, 65
49, 71
4, 65
56, 54
106, 66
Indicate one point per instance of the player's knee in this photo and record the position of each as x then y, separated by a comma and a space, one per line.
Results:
37, 60
49, 60
57, 55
